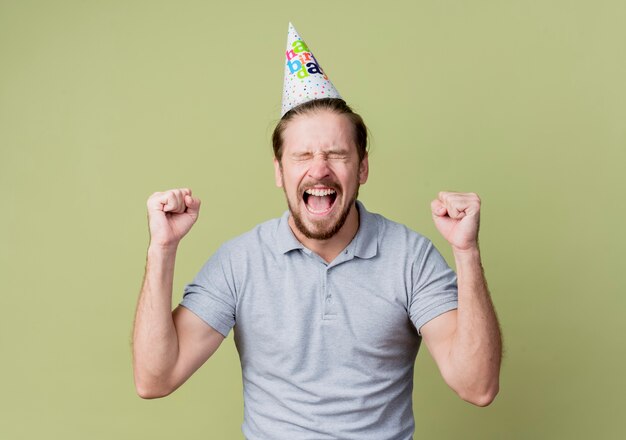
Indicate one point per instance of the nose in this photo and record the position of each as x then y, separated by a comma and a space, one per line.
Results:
319, 167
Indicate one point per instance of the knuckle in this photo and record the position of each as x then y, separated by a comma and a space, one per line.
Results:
151, 198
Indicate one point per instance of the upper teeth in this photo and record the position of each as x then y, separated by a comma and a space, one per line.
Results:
320, 192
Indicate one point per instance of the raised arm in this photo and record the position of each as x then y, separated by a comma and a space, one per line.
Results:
465, 343
168, 346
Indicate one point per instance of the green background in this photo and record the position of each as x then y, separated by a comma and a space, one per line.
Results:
103, 103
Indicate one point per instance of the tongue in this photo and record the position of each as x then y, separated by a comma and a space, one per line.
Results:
319, 203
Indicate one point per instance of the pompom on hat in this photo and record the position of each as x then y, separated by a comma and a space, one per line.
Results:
304, 78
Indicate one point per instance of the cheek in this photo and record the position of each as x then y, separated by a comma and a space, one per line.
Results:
291, 179
350, 174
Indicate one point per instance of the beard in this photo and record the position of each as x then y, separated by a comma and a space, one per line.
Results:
326, 228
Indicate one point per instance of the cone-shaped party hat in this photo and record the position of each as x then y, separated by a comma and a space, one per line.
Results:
304, 78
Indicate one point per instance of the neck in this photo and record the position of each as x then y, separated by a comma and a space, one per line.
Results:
329, 249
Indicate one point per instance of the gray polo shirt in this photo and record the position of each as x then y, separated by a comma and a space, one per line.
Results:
327, 349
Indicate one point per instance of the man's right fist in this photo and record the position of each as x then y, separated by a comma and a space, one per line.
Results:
171, 214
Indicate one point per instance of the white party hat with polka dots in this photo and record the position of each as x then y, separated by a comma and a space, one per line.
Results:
304, 78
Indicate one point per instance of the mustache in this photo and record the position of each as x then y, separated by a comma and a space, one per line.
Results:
324, 182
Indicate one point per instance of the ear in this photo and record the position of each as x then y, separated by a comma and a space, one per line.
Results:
278, 175
364, 170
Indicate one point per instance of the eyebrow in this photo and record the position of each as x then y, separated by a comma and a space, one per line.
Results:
338, 151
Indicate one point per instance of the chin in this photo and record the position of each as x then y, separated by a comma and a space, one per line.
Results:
323, 228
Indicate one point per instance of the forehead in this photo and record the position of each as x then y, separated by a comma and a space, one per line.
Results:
318, 130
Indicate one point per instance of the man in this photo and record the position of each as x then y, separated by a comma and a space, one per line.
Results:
329, 303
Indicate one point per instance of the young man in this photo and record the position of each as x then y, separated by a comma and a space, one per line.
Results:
329, 303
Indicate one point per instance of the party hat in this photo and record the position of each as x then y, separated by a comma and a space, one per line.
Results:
304, 78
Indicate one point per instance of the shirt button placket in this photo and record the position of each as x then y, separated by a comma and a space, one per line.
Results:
327, 297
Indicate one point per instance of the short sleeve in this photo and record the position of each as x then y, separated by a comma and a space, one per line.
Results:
212, 294
434, 287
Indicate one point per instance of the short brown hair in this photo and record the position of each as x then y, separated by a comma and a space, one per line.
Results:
336, 105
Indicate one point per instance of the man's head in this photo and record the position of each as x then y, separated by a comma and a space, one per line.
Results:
320, 159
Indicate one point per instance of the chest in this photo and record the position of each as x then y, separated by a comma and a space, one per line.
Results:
309, 310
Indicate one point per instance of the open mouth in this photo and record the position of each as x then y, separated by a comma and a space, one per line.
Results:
319, 200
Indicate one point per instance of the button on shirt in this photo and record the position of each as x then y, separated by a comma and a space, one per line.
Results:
327, 349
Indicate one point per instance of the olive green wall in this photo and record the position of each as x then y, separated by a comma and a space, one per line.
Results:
103, 103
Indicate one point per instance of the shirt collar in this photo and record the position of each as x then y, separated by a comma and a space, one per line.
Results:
364, 244
366, 240
285, 239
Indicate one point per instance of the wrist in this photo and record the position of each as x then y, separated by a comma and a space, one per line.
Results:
162, 249
466, 255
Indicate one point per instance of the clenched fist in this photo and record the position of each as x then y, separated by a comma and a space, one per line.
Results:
171, 214
457, 217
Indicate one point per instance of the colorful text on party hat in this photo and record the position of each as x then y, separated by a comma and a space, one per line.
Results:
301, 61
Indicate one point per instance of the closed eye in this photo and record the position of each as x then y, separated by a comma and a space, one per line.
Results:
336, 156
302, 156
329, 155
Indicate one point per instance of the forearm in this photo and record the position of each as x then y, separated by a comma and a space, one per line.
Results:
476, 349
155, 342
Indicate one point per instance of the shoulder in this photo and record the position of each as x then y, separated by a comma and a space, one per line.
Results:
237, 257
258, 239
400, 245
398, 236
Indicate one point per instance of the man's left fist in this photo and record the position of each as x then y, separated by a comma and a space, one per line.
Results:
457, 217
